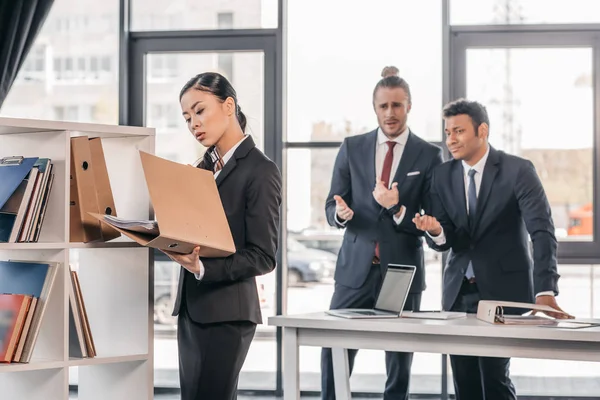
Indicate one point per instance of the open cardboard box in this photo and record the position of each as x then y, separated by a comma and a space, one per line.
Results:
187, 207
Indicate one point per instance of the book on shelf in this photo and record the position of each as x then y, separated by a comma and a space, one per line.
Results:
25, 186
32, 279
14, 310
81, 340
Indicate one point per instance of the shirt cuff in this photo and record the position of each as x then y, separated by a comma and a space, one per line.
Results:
439, 239
200, 275
549, 293
398, 220
335, 216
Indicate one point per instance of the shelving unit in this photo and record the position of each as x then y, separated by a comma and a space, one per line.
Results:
116, 277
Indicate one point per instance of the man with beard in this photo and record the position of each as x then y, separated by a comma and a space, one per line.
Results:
380, 180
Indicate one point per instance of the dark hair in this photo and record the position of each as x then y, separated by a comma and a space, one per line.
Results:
473, 109
218, 85
391, 79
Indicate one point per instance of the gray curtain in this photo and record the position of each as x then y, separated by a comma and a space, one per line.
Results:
20, 22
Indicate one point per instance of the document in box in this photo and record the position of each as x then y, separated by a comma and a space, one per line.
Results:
146, 227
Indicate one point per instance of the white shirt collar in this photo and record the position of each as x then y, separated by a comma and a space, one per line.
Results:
401, 139
229, 154
480, 164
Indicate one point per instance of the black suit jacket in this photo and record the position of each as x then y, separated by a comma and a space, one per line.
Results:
250, 188
354, 179
511, 203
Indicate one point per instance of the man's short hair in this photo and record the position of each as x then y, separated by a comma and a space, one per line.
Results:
473, 109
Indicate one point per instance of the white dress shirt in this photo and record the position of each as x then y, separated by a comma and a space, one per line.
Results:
479, 167
380, 152
225, 158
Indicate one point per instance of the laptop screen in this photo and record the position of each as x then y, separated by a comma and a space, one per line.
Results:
395, 287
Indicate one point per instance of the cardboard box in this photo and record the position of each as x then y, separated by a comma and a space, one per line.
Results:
187, 208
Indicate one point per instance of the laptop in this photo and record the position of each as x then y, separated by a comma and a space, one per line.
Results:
391, 298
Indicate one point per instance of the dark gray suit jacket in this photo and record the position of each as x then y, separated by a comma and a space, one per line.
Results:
250, 190
354, 180
511, 203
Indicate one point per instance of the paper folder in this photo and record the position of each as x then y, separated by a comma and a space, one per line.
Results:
493, 312
83, 228
187, 208
12, 172
104, 195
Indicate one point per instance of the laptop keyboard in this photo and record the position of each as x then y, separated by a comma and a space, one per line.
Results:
365, 312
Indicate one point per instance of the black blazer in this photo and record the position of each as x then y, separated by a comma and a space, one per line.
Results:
511, 203
250, 188
354, 179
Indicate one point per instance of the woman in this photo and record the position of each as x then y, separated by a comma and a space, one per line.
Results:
217, 302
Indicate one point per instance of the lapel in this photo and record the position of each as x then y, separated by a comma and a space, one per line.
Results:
371, 148
409, 157
458, 187
241, 152
487, 181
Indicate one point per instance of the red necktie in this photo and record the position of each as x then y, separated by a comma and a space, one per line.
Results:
385, 176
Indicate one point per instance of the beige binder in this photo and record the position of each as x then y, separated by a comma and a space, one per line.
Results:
188, 210
104, 194
83, 227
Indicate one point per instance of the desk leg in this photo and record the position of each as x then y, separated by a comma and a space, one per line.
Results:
291, 366
341, 373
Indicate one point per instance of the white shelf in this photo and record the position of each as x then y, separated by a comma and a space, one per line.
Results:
11, 126
32, 246
82, 362
59, 246
32, 366
115, 276
105, 245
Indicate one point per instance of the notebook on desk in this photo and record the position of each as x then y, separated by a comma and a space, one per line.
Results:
391, 298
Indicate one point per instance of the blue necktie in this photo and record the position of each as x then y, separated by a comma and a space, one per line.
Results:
472, 199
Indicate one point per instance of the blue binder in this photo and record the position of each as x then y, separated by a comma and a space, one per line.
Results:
12, 172
22, 278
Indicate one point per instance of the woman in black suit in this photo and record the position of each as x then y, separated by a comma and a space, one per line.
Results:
217, 301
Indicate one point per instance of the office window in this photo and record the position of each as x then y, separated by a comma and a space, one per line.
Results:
332, 72
225, 64
518, 102
202, 14
35, 65
164, 116
225, 20
225, 60
163, 66
503, 12
73, 36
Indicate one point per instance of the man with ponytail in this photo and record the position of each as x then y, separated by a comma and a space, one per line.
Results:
380, 180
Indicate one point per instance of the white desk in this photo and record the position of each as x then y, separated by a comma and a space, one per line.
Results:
466, 336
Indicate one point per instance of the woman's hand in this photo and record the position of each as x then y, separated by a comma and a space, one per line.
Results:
190, 261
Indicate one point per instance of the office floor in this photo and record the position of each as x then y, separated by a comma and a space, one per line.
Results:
73, 396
